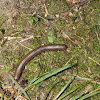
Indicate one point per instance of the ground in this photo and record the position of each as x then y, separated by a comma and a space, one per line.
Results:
27, 24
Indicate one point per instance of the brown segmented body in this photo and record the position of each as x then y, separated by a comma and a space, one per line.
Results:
35, 52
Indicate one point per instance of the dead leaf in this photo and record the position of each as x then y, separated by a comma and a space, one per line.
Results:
64, 77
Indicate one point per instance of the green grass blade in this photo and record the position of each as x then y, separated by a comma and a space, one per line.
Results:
77, 96
89, 95
63, 89
26, 95
46, 96
53, 72
35, 78
69, 92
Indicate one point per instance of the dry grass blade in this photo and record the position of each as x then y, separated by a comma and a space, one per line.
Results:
89, 95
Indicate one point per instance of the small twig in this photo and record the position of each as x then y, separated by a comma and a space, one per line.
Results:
27, 39
95, 29
80, 16
94, 60
46, 11
98, 55
72, 40
42, 17
70, 59
97, 35
79, 37
11, 38
95, 82
23, 45
94, 90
